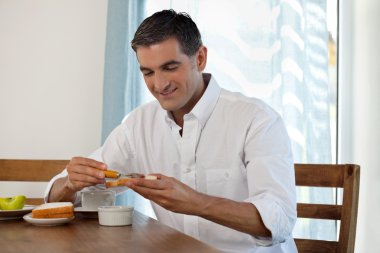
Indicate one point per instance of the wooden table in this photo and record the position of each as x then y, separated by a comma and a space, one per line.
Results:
87, 236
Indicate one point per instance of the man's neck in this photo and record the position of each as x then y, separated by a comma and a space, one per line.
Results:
178, 115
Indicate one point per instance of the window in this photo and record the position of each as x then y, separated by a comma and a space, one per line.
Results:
283, 52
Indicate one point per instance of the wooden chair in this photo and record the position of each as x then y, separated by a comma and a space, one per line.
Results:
31, 171
341, 176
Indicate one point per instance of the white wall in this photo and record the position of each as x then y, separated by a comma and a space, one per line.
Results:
51, 78
366, 119
361, 108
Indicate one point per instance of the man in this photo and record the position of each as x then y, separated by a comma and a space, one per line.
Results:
223, 161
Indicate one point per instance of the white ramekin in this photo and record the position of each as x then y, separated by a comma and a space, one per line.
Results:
115, 215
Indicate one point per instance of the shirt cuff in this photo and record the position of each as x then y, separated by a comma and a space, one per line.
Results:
51, 182
274, 219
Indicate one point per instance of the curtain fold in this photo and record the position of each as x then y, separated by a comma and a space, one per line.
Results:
278, 51
121, 90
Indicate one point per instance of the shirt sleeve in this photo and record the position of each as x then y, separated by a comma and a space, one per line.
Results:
271, 181
117, 152
96, 155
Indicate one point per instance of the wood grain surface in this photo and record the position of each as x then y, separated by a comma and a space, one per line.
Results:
86, 235
30, 170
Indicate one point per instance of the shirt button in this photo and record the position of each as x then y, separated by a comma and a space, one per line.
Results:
226, 175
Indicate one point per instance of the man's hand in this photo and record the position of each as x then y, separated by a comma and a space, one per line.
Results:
169, 193
177, 197
84, 172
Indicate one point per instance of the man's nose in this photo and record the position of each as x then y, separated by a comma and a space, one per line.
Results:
160, 82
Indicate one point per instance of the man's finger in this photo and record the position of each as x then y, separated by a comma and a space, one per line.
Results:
89, 162
152, 184
86, 178
148, 193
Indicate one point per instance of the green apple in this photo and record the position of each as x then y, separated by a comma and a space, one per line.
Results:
13, 203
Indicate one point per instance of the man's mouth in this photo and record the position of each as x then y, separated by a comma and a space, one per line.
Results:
168, 92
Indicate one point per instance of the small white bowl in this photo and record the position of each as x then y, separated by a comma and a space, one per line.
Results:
115, 215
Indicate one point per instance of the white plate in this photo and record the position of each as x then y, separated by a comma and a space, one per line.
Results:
47, 221
85, 213
15, 214
83, 210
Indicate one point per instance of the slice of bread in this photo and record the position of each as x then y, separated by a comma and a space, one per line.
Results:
54, 210
151, 177
123, 180
118, 182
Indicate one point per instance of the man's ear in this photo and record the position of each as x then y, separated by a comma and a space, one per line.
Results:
201, 58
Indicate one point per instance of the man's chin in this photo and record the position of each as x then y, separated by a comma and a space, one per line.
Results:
168, 106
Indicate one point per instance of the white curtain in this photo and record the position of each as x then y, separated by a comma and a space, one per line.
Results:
122, 91
277, 51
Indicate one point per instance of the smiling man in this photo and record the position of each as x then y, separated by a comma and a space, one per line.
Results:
174, 78
223, 160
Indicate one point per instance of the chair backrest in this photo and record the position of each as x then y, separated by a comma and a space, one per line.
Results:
30, 171
344, 176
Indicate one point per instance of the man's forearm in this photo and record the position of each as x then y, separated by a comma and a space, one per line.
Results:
60, 191
240, 216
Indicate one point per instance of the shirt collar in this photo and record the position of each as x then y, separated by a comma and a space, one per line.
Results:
204, 107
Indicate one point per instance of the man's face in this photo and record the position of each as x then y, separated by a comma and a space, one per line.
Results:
172, 77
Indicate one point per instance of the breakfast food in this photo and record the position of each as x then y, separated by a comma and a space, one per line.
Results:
54, 210
111, 174
123, 180
151, 177
118, 182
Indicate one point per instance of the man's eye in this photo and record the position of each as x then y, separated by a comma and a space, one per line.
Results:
147, 73
171, 68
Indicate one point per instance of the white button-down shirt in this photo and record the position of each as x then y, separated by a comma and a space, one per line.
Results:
232, 147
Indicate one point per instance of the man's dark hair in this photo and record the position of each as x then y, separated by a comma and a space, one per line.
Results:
167, 24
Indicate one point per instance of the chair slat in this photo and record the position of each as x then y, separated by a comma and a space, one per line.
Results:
319, 175
315, 246
30, 170
330, 175
319, 211
34, 201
